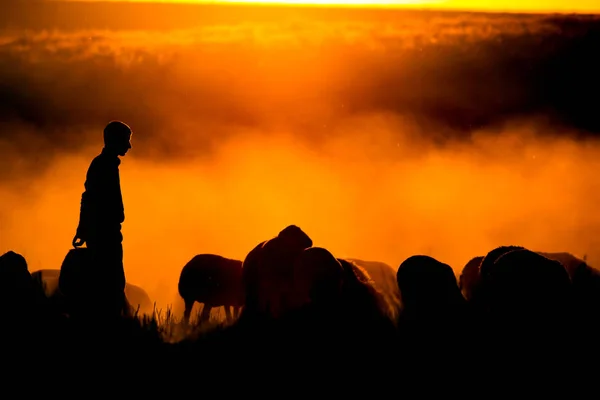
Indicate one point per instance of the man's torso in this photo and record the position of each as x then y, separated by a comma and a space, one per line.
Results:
102, 202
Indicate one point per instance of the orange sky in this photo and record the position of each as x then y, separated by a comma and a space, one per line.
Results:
371, 187
579, 6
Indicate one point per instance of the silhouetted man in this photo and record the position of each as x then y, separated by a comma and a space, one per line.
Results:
100, 219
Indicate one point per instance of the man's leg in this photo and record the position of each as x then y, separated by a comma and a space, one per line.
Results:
117, 284
108, 286
89, 301
122, 282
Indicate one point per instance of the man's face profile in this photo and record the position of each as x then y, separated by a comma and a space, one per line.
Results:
123, 145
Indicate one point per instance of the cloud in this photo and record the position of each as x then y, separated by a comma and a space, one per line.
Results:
451, 74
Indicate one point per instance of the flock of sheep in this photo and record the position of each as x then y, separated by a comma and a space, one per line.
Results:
287, 274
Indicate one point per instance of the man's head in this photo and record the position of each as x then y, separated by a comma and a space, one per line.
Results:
117, 137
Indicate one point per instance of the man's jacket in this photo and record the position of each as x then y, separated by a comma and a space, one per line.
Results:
102, 211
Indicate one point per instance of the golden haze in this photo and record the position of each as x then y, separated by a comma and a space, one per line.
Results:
360, 197
370, 185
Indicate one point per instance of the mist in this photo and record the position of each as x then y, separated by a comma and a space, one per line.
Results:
378, 145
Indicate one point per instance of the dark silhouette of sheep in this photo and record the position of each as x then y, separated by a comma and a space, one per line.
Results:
429, 290
478, 292
19, 296
48, 279
384, 278
469, 277
435, 320
138, 299
317, 279
363, 298
214, 281
331, 309
569, 261
583, 295
493, 255
526, 288
14, 273
84, 293
585, 280
267, 272
327, 297
585, 286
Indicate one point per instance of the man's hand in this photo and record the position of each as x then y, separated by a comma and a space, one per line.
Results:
78, 241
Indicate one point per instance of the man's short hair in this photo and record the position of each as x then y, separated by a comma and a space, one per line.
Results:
116, 130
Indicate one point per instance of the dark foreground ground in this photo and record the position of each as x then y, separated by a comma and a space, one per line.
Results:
305, 353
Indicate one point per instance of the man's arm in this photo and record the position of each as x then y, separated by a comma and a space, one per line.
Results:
118, 198
82, 228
